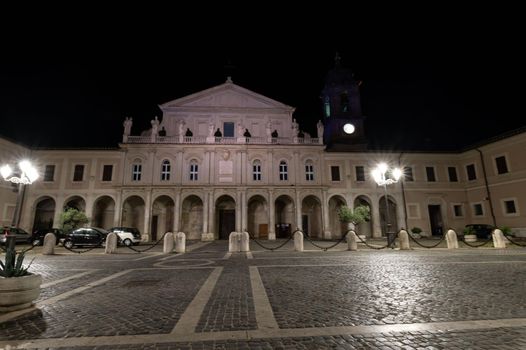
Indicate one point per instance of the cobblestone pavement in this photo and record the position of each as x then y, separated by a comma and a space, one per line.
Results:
389, 299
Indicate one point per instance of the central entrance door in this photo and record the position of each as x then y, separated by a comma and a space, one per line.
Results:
227, 222
435, 218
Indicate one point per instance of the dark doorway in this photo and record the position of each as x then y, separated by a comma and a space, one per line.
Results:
305, 224
227, 222
435, 218
155, 218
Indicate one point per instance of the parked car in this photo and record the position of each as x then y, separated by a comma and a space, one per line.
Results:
21, 235
38, 235
86, 236
127, 235
483, 231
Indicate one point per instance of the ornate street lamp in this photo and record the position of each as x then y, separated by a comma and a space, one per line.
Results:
25, 176
379, 175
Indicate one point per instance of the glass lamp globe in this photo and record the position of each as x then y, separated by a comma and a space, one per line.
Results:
348, 128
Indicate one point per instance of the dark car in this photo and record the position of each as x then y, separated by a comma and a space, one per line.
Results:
21, 236
86, 236
38, 235
483, 231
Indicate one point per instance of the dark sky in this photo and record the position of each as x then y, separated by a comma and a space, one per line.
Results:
424, 86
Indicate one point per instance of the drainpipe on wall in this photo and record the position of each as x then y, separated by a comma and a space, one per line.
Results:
488, 193
403, 192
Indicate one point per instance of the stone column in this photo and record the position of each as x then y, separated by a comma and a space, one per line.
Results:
206, 203
89, 207
118, 210
179, 175
271, 216
147, 214
298, 212
270, 166
325, 210
244, 212
238, 211
377, 225
177, 211
59, 204
211, 213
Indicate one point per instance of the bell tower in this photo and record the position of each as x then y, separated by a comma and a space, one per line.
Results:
343, 119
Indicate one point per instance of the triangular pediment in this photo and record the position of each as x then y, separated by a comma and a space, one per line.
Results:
227, 95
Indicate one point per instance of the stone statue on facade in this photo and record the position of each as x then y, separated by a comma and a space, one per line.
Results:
180, 127
240, 129
127, 126
295, 128
268, 128
319, 125
155, 125
211, 128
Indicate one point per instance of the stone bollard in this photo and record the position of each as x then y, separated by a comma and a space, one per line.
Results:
49, 244
234, 242
352, 241
403, 236
245, 242
499, 241
168, 243
111, 243
451, 239
298, 241
180, 242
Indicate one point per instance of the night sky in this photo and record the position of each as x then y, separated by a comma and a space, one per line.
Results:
422, 89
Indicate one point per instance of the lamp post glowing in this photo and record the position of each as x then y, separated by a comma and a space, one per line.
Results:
27, 175
379, 175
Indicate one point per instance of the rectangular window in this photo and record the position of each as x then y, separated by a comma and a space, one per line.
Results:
283, 171
136, 172
335, 173
107, 172
194, 172
78, 174
502, 165
309, 172
452, 172
430, 172
509, 206
472, 175
477, 209
228, 129
360, 173
165, 171
408, 174
457, 210
256, 172
49, 173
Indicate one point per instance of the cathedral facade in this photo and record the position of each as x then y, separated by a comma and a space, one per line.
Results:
228, 159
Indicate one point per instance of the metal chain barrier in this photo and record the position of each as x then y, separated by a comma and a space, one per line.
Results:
150, 245
463, 240
514, 242
430, 246
372, 246
319, 246
270, 248
80, 251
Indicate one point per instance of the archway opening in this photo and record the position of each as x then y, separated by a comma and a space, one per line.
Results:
337, 228
284, 214
258, 217
366, 227
75, 202
192, 217
162, 216
225, 216
44, 214
103, 212
311, 216
390, 225
133, 213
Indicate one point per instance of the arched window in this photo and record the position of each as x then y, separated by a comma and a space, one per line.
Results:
136, 170
256, 170
283, 171
194, 170
309, 170
165, 170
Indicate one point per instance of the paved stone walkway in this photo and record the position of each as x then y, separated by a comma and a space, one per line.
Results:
208, 299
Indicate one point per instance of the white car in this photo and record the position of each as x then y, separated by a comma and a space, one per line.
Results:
127, 235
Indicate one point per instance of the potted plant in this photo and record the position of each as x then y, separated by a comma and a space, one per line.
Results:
353, 216
469, 234
416, 231
18, 287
